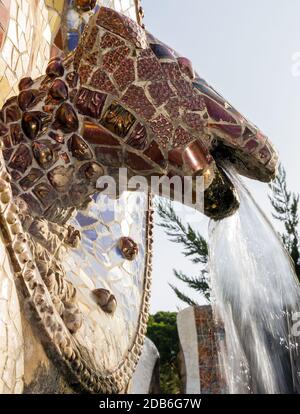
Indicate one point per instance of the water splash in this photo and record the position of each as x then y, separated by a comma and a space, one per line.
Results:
255, 292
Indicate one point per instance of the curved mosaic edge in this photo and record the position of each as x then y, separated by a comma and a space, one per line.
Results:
79, 370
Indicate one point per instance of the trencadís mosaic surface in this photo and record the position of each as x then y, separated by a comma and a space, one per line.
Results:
121, 98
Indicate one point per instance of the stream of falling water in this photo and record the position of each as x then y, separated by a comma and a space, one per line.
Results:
255, 293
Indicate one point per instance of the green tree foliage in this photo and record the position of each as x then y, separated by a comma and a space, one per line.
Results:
195, 247
162, 330
285, 204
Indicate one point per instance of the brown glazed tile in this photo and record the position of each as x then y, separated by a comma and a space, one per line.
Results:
65, 157
186, 67
193, 103
16, 134
109, 156
61, 177
251, 146
45, 193
30, 179
175, 156
6, 141
97, 134
58, 40
29, 98
7, 153
138, 137
79, 148
217, 112
43, 153
154, 153
136, 99
136, 162
101, 81
92, 58
59, 138
66, 118
118, 120
91, 171
32, 203
15, 175
234, 131
72, 79
265, 155
89, 102
21, 159
12, 113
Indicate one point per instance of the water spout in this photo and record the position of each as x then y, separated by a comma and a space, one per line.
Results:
255, 292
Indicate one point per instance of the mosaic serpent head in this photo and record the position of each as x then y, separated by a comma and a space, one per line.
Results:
124, 99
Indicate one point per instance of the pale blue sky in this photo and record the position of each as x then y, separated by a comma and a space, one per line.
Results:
245, 49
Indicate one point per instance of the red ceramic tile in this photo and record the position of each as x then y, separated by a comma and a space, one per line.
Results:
136, 99
101, 81
125, 74
149, 69
162, 129
114, 58
160, 92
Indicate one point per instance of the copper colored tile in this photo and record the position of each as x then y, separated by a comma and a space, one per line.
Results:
97, 134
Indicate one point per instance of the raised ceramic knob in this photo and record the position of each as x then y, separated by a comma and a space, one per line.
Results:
128, 248
106, 300
72, 317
